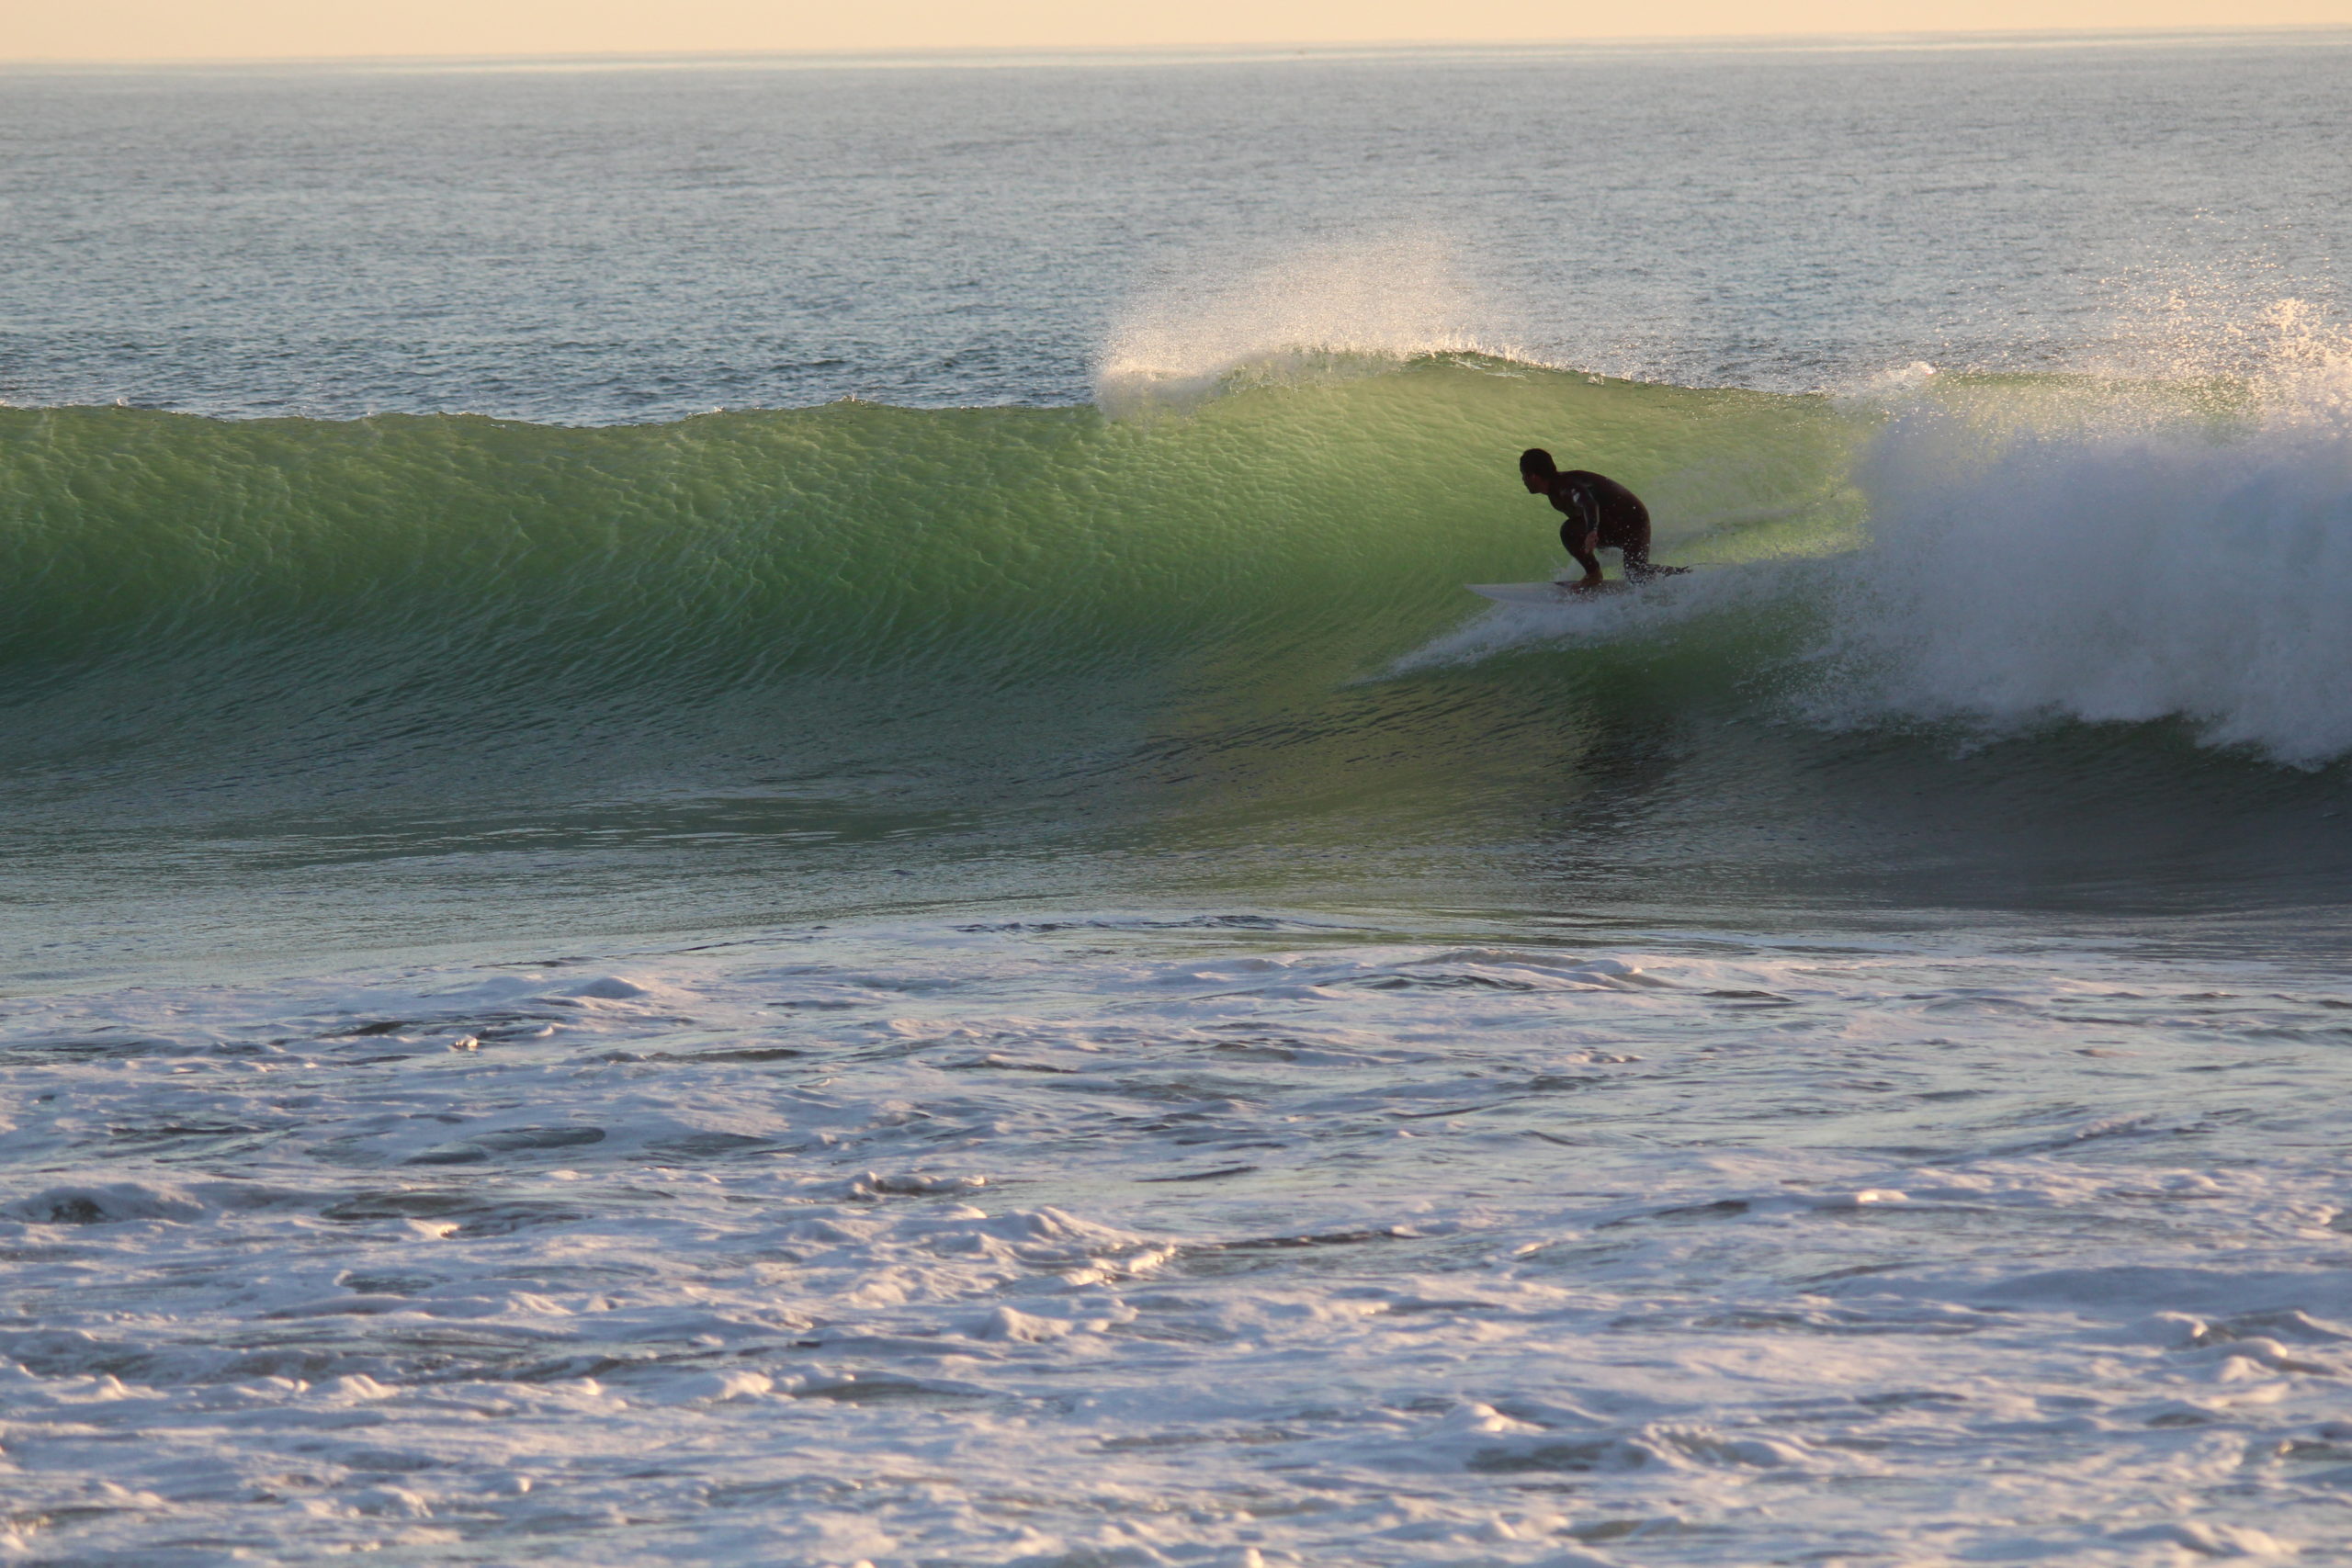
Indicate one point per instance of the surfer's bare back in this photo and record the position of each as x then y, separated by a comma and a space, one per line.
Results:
1602, 515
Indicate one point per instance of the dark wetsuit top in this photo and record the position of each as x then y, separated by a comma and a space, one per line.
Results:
1593, 503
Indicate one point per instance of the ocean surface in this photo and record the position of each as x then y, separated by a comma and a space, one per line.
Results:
748, 813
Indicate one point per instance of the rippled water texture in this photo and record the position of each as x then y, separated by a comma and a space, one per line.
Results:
602, 246
1119, 1241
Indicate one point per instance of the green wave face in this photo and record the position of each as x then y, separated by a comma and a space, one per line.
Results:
1966, 647
278, 613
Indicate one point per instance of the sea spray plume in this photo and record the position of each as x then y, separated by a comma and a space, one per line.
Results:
1386, 299
2244, 320
2114, 563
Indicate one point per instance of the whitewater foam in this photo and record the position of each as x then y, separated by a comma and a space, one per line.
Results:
1119, 1239
2046, 552
2123, 569
1662, 609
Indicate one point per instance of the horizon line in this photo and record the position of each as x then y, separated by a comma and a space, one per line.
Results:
985, 57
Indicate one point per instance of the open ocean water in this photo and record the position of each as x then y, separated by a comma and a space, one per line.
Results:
750, 816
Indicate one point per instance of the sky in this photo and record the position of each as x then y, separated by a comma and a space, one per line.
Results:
297, 29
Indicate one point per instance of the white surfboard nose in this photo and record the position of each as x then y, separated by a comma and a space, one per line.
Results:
1535, 593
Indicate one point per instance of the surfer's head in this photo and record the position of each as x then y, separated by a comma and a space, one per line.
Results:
1536, 470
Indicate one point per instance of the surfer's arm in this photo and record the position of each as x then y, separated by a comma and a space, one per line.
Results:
1583, 545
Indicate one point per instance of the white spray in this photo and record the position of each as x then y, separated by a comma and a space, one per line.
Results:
2115, 569
2050, 551
1387, 299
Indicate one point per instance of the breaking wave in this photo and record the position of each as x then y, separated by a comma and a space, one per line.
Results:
944, 603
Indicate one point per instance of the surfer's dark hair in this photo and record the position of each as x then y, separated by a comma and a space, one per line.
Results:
1535, 460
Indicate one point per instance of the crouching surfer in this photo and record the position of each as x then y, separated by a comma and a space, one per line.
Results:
1600, 514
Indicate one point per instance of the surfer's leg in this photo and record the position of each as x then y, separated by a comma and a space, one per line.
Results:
1631, 535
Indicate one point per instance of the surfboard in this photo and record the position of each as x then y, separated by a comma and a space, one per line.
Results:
1561, 592
1540, 593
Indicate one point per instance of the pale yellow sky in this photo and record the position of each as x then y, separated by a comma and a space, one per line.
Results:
282, 29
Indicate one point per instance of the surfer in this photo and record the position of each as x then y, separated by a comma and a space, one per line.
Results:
1602, 515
